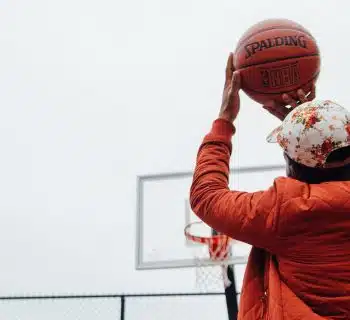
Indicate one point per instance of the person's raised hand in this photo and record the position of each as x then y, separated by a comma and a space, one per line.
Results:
230, 98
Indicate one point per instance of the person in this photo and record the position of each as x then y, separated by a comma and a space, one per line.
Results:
299, 228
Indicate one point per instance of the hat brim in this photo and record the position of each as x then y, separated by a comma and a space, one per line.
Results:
273, 136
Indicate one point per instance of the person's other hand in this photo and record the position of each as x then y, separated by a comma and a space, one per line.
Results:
280, 110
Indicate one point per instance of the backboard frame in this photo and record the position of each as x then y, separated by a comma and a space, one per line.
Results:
141, 264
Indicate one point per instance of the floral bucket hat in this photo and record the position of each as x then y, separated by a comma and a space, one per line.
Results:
311, 131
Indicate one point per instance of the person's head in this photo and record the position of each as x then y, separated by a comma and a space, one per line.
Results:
315, 138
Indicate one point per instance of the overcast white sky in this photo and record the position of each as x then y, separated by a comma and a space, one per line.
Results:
94, 93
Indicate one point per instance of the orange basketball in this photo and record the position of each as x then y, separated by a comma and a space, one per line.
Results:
276, 56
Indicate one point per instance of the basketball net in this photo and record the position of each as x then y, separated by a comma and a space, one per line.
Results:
211, 255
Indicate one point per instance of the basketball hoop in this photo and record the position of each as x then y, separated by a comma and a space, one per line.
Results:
210, 258
218, 245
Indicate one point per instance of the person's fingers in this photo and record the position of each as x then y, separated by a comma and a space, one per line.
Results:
288, 100
235, 82
301, 95
229, 69
312, 94
232, 62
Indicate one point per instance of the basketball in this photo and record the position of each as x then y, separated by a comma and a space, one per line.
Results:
276, 56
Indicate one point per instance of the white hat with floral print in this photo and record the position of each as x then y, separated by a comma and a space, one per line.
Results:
311, 131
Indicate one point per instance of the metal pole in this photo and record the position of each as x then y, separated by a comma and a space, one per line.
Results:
231, 295
122, 307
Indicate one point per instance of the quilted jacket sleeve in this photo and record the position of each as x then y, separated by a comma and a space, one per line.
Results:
247, 217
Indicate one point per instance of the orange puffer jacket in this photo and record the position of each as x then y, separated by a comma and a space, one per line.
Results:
299, 267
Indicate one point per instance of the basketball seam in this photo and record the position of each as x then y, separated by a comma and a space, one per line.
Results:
279, 59
279, 92
273, 28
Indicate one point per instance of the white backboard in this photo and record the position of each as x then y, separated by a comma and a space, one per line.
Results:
163, 211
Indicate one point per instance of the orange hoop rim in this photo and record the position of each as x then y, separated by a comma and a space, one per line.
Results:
218, 245
214, 239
